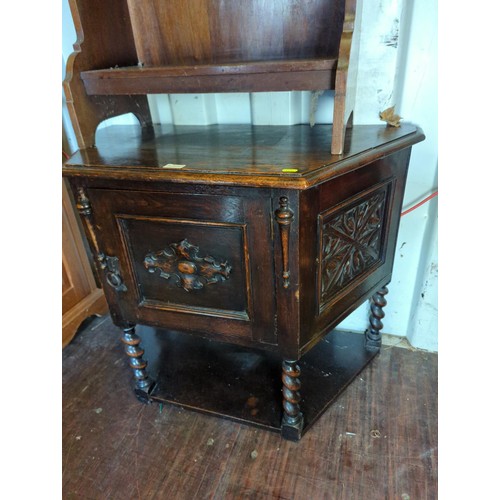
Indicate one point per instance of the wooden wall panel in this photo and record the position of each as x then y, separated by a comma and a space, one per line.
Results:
265, 31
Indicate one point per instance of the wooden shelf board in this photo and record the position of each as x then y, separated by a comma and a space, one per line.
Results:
244, 384
252, 76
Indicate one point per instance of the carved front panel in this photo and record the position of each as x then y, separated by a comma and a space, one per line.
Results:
352, 236
190, 266
191, 260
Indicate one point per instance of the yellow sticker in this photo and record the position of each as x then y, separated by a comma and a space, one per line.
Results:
289, 170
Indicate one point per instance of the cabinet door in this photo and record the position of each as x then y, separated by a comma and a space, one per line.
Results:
196, 262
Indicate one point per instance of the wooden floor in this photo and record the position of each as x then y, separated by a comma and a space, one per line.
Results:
377, 441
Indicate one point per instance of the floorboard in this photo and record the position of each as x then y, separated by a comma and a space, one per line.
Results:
378, 440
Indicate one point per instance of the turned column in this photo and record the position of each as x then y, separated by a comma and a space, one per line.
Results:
293, 420
143, 384
373, 336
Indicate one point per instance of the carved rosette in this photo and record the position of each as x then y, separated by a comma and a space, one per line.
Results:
181, 263
352, 243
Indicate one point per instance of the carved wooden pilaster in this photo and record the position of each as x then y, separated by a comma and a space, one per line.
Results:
293, 420
284, 217
373, 336
85, 210
108, 264
143, 384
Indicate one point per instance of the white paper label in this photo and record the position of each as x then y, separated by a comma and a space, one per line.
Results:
172, 165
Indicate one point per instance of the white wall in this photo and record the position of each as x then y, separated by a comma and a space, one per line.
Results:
398, 66
418, 101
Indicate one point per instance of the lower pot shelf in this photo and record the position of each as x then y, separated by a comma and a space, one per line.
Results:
244, 384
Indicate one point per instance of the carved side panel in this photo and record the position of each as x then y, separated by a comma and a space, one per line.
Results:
352, 238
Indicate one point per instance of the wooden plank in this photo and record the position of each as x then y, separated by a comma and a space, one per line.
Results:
213, 31
249, 67
253, 76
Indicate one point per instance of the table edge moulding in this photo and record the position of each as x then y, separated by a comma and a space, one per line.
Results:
229, 253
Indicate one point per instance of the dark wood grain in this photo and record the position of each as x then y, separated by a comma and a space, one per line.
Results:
115, 447
279, 292
135, 223
215, 31
235, 154
255, 76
